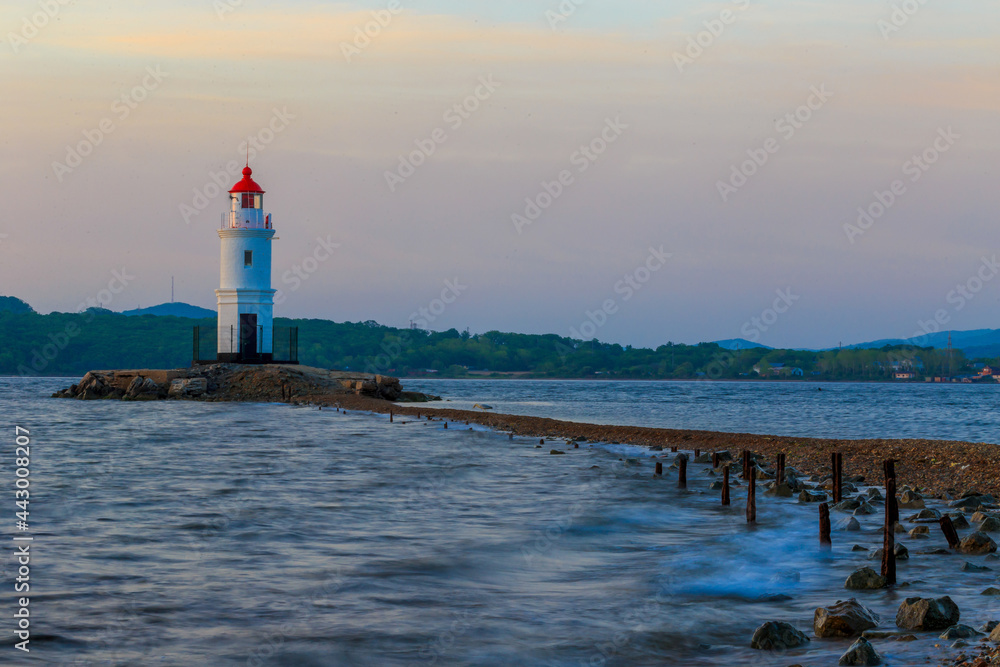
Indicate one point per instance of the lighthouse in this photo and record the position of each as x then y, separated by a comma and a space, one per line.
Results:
245, 297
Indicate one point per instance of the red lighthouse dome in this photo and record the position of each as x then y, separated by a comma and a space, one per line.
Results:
247, 184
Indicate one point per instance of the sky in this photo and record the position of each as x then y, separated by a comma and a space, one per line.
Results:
640, 171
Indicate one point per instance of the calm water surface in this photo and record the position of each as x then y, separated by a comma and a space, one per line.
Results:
181, 533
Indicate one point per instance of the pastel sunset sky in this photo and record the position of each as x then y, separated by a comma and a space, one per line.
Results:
332, 114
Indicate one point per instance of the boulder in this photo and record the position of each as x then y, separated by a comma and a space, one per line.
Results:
188, 388
811, 496
925, 516
959, 521
777, 636
143, 389
970, 567
848, 524
959, 632
968, 503
779, 490
990, 524
995, 635
875, 494
844, 619
977, 544
992, 590
848, 505
865, 579
920, 531
927, 614
865, 509
978, 516
703, 458
988, 627
861, 653
911, 500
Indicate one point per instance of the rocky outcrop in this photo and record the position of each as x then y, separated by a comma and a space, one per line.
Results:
844, 619
927, 614
861, 653
188, 388
777, 636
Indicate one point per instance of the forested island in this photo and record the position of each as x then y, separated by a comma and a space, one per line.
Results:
70, 344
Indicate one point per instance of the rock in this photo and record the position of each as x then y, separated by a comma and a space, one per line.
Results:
142, 389
865, 509
902, 553
927, 614
959, 521
875, 494
185, 388
920, 531
970, 503
777, 636
811, 496
848, 505
959, 632
849, 524
992, 590
925, 516
990, 524
995, 635
911, 500
993, 557
977, 544
979, 516
844, 619
861, 653
556, 452
703, 458
988, 627
865, 579
779, 490
858, 547
715, 486
969, 567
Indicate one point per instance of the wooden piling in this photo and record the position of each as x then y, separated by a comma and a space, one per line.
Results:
780, 471
682, 473
948, 528
715, 459
510, 436
673, 450
446, 425
752, 496
889, 532
659, 469
824, 525
725, 486
390, 417
746, 463
697, 453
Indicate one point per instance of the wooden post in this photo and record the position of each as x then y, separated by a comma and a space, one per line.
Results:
697, 453
682, 474
725, 486
659, 469
390, 417
949, 532
510, 436
824, 525
446, 425
673, 450
752, 497
889, 532
715, 459
746, 463
840, 476
780, 472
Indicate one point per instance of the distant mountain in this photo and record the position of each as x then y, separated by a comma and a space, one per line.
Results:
11, 304
740, 344
173, 310
976, 343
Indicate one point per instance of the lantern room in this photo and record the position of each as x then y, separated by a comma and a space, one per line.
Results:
246, 205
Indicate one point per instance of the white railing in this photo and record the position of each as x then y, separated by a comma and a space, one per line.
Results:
236, 220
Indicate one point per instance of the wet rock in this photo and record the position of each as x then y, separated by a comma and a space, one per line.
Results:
992, 590
920, 531
865, 509
969, 503
143, 389
555, 452
902, 553
188, 388
777, 636
978, 517
779, 490
988, 627
865, 579
844, 619
959, 632
995, 635
990, 524
861, 653
812, 496
848, 505
977, 544
911, 500
849, 524
858, 547
875, 494
703, 458
993, 557
715, 486
970, 567
927, 614
925, 516
959, 521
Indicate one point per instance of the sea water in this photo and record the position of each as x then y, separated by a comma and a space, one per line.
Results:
186, 533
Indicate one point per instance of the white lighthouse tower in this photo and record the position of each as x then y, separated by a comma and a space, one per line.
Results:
246, 300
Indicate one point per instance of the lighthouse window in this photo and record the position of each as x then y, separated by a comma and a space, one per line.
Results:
248, 258
251, 201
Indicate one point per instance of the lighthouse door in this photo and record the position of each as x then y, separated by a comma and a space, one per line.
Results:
248, 336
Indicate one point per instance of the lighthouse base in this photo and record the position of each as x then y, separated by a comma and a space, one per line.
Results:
285, 348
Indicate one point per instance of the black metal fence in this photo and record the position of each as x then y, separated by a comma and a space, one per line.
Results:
213, 345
